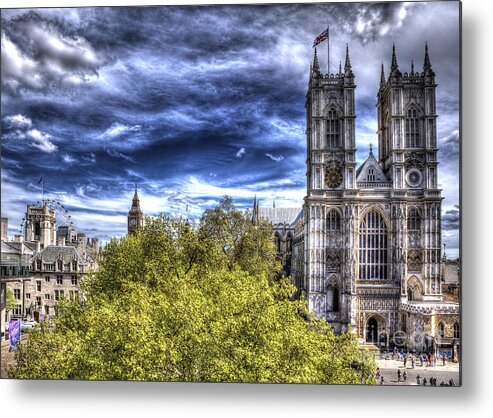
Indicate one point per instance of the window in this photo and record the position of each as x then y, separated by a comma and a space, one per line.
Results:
74, 280
333, 129
38, 301
28, 296
410, 296
456, 330
370, 176
333, 221
17, 310
38, 264
59, 279
413, 220
38, 285
373, 247
441, 330
17, 293
47, 296
60, 265
47, 310
289, 244
335, 299
49, 267
58, 294
74, 265
413, 129
47, 279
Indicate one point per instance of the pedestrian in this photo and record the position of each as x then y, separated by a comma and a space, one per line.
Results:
404, 375
424, 381
451, 382
412, 362
418, 379
405, 361
381, 380
444, 359
398, 375
378, 373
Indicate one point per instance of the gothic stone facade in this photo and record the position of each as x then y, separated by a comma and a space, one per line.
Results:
369, 239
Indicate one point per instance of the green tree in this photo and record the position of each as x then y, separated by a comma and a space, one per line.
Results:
174, 303
10, 300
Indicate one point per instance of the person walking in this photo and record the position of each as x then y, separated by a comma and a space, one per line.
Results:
412, 362
381, 380
444, 359
405, 361
424, 381
404, 375
418, 379
398, 375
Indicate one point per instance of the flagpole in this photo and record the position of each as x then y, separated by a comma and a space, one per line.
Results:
328, 50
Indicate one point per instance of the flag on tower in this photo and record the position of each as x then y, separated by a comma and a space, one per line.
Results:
320, 38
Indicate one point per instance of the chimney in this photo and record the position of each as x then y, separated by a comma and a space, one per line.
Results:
61, 241
18, 238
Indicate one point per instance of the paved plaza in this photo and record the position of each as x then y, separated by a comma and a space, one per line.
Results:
388, 369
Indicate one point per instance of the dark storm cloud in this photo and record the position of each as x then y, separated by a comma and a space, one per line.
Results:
37, 52
451, 219
192, 103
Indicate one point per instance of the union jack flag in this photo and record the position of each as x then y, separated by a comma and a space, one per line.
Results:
320, 38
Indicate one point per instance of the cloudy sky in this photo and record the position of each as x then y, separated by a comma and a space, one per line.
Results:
191, 103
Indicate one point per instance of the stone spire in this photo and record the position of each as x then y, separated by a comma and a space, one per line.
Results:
412, 67
316, 65
347, 66
371, 150
340, 68
136, 200
394, 68
382, 76
427, 65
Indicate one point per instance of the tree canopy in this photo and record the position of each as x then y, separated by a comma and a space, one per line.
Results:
181, 303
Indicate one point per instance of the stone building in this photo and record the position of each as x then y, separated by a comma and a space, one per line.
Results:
366, 248
46, 263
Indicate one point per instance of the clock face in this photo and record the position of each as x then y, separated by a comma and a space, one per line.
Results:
133, 221
333, 177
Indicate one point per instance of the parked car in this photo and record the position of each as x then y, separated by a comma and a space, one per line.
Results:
27, 325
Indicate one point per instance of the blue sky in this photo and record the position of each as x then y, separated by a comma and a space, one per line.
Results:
191, 103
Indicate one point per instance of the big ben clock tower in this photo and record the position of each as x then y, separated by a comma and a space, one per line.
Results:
135, 215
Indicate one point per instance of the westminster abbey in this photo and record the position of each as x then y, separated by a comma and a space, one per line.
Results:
365, 248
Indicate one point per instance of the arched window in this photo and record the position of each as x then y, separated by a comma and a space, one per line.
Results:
413, 220
333, 221
370, 176
373, 247
37, 229
290, 243
410, 296
333, 129
413, 129
456, 330
441, 330
335, 299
